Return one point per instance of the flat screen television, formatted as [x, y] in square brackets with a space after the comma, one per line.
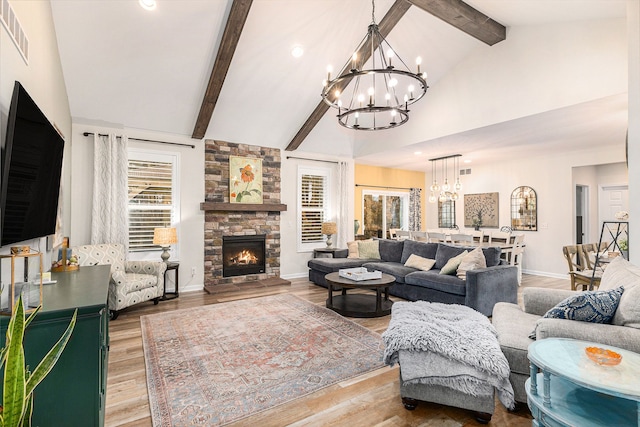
[31, 169]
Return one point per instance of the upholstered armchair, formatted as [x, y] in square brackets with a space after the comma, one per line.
[132, 282]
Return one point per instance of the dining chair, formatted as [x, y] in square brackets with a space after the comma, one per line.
[478, 235]
[513, 255]
[420, 236]
[499, 237]
[436, 237]
[580, 276]
[393, 233]
[461, 238]
[403, 234]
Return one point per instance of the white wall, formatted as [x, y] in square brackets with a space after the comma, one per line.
[43, 80]
[190, 248]
[536, 69]
[633, 26]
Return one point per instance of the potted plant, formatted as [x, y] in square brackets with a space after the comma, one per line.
[19, 381]
[624, 247]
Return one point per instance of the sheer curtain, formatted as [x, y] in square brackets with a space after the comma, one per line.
[415, 209]
[343, 204]
[109, 213]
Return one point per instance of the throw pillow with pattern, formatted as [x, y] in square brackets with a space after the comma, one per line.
[590, 306]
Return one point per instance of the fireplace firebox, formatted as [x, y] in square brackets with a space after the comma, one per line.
[243, 255]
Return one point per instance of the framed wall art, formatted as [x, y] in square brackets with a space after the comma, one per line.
[481, 210]
[245, 180]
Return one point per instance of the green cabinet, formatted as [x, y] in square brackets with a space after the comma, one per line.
[74, 392]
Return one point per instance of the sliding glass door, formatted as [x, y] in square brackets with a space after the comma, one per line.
[382, 211]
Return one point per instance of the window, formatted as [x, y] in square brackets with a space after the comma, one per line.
[383, 211]
[153, 200]
[313, 200]
[446, 214]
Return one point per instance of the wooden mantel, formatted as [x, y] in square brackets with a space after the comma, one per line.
[243, 207]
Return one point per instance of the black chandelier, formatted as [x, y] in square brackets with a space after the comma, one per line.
[380, 96]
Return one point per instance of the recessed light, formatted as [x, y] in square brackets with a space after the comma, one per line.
[417, 153]
[297, 51]
[147, 4]
[466, 161]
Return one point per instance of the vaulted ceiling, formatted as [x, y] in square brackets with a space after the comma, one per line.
[151, 70]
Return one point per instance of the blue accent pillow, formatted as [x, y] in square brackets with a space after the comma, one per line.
[590, 306]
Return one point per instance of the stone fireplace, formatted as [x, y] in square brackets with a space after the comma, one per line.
[224, 219]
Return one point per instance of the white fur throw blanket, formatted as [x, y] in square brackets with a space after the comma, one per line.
[450, 345]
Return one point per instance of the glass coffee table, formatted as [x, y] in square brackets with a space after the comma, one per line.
[573, 390]
[359, 305]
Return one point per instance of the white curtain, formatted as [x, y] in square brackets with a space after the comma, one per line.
[343, 205]
[415, 209]
[109, 215]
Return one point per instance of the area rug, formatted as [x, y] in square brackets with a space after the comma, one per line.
[217, 364]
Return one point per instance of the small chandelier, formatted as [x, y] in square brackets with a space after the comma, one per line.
[443, 193]
[380, 96]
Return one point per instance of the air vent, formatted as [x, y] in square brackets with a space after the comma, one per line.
[465, 171]
[11, 23]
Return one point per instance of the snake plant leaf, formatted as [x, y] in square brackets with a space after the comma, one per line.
[50, 359]
[28, 412]
[13, 399]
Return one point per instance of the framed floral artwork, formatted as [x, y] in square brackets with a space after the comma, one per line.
[245, 180]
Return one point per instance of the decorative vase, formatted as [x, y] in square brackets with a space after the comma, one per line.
[356, 226]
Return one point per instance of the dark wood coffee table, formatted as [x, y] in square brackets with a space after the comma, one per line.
[359, 305]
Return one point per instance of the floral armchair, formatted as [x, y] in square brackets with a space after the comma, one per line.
[132, 282]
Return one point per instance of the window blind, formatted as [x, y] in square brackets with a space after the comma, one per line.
[313, 204]
[150, 186]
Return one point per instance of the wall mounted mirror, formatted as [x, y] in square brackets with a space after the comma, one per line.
[524, 209]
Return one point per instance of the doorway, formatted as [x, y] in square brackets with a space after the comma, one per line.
[582, 214]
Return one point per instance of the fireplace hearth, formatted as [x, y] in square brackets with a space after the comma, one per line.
[242, 255]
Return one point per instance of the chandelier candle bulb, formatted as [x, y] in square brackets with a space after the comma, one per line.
[390, 56]
[418, 62]
[371, 92]
[354, 63]
[329, 70]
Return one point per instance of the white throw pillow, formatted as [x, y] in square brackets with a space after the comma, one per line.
[353, 250]
[621, 272]
[471, 261]
[419, 262]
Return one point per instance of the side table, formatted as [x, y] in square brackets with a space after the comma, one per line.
[175, 265]
[572, 390]
[330, 253]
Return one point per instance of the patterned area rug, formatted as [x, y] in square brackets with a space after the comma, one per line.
[216, 364]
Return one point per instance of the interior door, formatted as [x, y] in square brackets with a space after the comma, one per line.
[613, 198]
[582, 211]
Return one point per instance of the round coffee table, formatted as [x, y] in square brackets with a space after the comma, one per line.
[359, 305]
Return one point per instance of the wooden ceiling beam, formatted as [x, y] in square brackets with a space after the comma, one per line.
[465, 18]
[230, 37]
[391, 18]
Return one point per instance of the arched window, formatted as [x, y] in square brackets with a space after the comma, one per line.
[524, 209]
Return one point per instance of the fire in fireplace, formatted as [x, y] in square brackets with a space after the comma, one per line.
[243, 255]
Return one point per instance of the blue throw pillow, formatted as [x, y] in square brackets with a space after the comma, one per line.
[591, 306]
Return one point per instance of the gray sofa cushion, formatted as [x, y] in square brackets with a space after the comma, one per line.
[397, 270]
[391, 250]
[423, 249]
[329, 265]
[513, 326]
[433, 280]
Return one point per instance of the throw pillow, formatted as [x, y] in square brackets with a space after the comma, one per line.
[589, 306]
[621, 272]
[471, 261]
[353, 250]
[452, 265]
[420, 263]
[368, 249]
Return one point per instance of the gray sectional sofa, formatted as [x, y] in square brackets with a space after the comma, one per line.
[481, 289]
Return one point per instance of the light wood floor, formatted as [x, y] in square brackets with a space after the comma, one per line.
[369, 400]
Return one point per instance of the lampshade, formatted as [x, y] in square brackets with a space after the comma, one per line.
[329, 228]
[165, 236]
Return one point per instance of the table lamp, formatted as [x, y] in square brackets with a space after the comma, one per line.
[165, 237]
[329, 228]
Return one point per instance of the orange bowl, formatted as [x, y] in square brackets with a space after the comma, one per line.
[602, 356]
